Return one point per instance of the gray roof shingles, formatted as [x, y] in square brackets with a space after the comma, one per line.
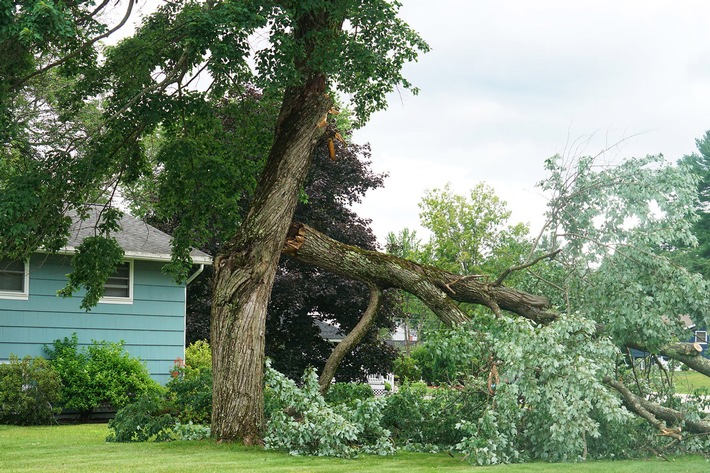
[138, 239]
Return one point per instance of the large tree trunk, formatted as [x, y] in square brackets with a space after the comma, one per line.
[245, 268]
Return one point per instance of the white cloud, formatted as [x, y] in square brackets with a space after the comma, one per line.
[509, 83]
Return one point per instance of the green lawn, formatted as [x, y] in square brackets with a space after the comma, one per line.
[687, 381]
[82, 449]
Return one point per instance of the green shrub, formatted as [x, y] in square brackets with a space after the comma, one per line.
[199, 355]
[423, 419]
[406, 369]
[450, 356]
[347, 393]
[29, 391]
[150, 417]
[176, 413]
[190, 390]
[102, 373]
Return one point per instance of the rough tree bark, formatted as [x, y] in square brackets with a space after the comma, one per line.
[245, 268]
[438, 289]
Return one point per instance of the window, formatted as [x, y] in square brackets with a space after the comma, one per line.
[119, 286]
[701, 336]
[14, 279]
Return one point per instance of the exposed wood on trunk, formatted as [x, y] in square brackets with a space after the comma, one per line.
[347, 344]
[438, 289]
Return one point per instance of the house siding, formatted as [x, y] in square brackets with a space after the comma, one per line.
[151, 327]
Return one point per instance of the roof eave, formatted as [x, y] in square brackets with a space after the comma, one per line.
[137, 255]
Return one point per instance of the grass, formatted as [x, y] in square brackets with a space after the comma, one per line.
[82, 448]
[687, 381]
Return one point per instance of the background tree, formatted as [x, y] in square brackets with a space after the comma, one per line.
[698, 258]
[470, 235]
[406, 244]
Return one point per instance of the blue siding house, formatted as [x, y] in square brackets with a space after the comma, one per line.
[141, 306]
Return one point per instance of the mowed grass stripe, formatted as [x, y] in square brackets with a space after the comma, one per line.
[82, 449]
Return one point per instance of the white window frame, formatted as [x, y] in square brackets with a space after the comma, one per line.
[19, 295]
[697, 338]
[122, 300]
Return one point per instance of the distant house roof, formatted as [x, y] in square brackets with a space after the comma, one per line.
[138, 239]
[329, 331]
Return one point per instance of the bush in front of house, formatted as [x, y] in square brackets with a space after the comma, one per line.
[198, 355]
[29, 391]
[101, 374]
[191, 391]
[181, 411]
[150, 417]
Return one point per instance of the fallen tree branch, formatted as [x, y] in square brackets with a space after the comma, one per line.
[438, 289]
[687, 353]
[347, 344]
[635, 403]
[659, 415]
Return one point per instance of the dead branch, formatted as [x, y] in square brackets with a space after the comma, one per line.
[507, 272]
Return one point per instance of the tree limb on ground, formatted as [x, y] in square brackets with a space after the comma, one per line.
[440, 290]
[657, 415]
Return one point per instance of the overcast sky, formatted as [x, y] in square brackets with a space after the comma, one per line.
[509, 83]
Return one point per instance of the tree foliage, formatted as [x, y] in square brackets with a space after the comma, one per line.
[146, 83]
[697, 259]
[469, 235]
[616, 226]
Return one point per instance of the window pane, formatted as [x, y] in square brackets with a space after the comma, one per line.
[12, 276]
[118, 284]
[701, 336]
